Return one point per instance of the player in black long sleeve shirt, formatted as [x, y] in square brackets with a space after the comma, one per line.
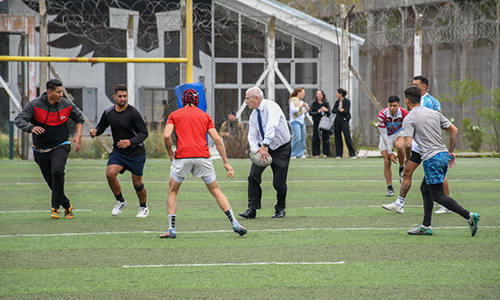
[125, 125]
[129, 132]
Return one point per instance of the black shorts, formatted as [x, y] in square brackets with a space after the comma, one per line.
[416, 158]
[133, 164]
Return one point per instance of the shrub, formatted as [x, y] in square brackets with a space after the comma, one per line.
[473, 134]
[4, 145]
[155, 147]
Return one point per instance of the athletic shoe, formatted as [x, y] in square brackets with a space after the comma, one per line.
[353, 157]
[394, 207]
[390, 193]
[239, 229]
[118, 207]
[443, 210]
[55, 213]
[68, 213]
[420, 230]
[169, 234]
[474, 218]
[338, 157]
[143, 212]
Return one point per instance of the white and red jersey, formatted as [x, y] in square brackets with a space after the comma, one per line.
[393, 123]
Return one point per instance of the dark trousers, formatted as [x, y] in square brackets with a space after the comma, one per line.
[316, 142]
[435, 192]
[52, 165]
[342, 125]
[281, 160]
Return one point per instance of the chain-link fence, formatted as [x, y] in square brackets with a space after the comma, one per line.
[460, 49]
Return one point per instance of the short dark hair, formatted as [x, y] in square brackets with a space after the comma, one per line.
[393, 99]
[53, 84]
[422, 79]
[342, 92]
[120, 87]
[413, 94]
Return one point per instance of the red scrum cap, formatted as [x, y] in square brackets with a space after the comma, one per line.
[190, 96]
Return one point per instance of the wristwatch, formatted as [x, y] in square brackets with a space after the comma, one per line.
[265, 145]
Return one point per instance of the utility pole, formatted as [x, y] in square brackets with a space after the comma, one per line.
[270, 59]
[131, 54]
[43, 45]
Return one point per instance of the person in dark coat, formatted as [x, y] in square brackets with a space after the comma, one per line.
[342, 108]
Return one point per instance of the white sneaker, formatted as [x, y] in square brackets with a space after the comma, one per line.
[118, 207]
[390, 193]
[443, 210]
[394, 207]
[143, 212]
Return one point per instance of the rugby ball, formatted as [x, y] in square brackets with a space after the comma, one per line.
[254, 157]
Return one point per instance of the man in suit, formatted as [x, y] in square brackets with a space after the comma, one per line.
[268, 136]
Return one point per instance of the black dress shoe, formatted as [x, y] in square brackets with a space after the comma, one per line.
[249, 214]
[279, 214]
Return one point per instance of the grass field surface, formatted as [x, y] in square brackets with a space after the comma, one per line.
[336, 241]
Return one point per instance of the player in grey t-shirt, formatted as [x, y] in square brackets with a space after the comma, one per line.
[424, 125]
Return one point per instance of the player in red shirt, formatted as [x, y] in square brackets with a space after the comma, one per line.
[390, 126]
[192, 155]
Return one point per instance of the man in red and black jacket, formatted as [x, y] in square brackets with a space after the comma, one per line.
[46, 118]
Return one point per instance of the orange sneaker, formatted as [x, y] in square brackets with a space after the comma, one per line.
[55, 213]
[68, 213]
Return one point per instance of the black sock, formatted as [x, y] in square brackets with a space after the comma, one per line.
[390, 187]
[119, 197]
[143, 204]
[401, 169]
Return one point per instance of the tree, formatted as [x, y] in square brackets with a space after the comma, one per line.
[463, 91]
[491, 116]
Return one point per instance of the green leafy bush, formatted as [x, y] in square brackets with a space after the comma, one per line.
[473, 134]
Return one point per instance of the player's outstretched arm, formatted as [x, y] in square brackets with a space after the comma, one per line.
[167, 139]
[78, 138]
[222, 151]
[407, 147]
[453, 142]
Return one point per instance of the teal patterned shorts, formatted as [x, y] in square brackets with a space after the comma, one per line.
[436, 167]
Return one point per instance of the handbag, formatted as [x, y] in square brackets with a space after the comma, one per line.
[326, 123]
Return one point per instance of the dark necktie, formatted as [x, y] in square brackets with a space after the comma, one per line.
[259, 119]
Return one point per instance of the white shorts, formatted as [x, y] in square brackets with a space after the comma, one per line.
[392, 139]
[199, 167]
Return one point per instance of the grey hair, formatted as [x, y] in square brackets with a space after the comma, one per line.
[255, 92]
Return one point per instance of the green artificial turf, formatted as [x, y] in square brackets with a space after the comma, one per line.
[336, 241]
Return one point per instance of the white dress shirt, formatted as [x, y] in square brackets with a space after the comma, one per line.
[274, 123]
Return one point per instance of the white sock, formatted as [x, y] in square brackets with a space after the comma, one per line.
[230, 215]
[400, 201]
[171, 221]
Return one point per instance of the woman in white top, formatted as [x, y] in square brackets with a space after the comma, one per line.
[298, 110]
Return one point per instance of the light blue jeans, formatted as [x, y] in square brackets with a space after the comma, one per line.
[299, 139]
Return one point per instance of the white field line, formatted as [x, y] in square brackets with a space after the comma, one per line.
[242, 181]
[34, 211]
[311, 207]
[222, 231]
[239, 264]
